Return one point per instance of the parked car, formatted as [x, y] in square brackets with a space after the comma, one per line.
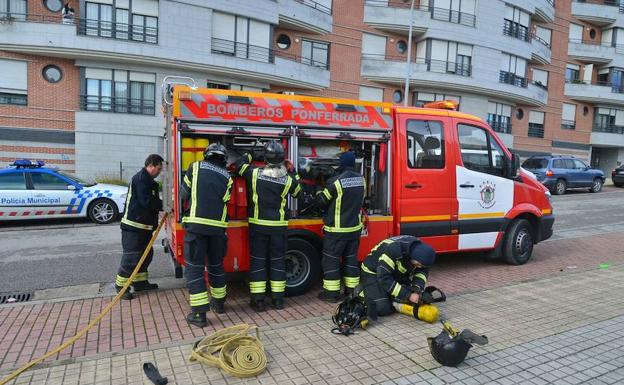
[560, 173]
[617, 175]
[28, 190]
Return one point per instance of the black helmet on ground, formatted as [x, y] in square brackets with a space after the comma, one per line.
[274, 153]
[216, 151]
[450, 347]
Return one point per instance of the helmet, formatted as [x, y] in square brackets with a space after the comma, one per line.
[274, 152]
[349, 315]
[215, 150]
[450, 348]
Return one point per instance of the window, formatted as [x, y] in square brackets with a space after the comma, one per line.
[558, 163]
[145, 28]
[15, 9]
[543, 35]
[401, 46]
[513, 70]
[219, 86]
[119, 91]
[142, 98]
[315, 53]
[425, 144]
[99, 20]
[52, 73]
[454, 11]
[12, 181]
[53, 5]
[479, 150]
[540, 78]
[535, 163]
[44, 181]
[241, 37]
[576, 33]
[568, 116]
[448, 57]
[373, 46]
[572, 73]
[609, 120]
[397, 96]
[13, 81]
[371, 93]
[499, 117]
[536, 124]
[122, 23]
[579, 165]
[420, 98]
[283, 41]
[516, 23]
[138, 24]
[569, 164]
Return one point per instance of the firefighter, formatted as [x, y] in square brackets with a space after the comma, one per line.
[268, 190]
[206, 186]
[137, 225]
[396, 269]
[344, 196]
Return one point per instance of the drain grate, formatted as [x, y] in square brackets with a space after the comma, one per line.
[13, 298]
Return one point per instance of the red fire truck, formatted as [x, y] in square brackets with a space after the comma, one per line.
[435, 173]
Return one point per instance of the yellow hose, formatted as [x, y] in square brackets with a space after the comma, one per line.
[233, 350]
[97, 319]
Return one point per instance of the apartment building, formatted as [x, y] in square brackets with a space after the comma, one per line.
[83, 92]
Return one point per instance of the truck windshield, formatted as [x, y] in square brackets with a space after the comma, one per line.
[535, 163]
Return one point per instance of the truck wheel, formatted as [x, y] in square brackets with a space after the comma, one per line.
[303, 266]
[560, 187]
[102, 211]
[518, 243]
[596, 186]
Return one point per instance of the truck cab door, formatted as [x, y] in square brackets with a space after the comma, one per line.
[425, 181]
[484, 195]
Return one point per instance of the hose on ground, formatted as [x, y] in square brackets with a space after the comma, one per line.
[233, 350]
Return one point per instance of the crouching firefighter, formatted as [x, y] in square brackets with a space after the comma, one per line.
[139, 220]
[206, 186]
[395, 273]
[268, 189]
[344, 197]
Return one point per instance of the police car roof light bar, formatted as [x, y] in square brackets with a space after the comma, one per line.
[27, 163]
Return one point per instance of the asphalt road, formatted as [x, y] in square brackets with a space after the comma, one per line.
[50, 254]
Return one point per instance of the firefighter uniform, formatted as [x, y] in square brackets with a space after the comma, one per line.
[344, 196]
[268, 222]
[387, 273]
[137, 224]
[207, 186]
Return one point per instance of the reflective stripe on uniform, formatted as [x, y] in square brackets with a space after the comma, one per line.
[284, 193]
[266, 222]
[187, 181]
[338, 204]
[331, 284]
[204, 221]
[193, 211]
[387, 260]
[342, 229]
[127, 221]
[367, 270]
[120, 281]
[401, 268]
[257, 287]
[421, 276]
[228, 191]
[278, 286]
[218, 292]
[254, 192]
[199, 299]
[396, 290]
[298, 188]
[351, 282]
[243, 168]
[140, 277]
[327, 194]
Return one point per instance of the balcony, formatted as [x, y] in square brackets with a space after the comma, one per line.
[536, 130]
[393, 16]
[305, 16]
[513, 79]
[597, 92]
[117, 105]
[607, 135]
[500, 127]
[568, 124]
[541, 52]
[601, 13]
[591, 52]
[450, 77]
[106, 29]
[541, 10]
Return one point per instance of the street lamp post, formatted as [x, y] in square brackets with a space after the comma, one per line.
[409, 55]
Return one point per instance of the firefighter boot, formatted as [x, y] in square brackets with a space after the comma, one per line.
[197, 319]
[144, 286]
[257, 305]
[329, 296]
[127, 295]
[278, 303]
[217, 305]
[348, 293]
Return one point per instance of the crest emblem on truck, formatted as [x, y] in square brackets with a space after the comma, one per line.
[488, 197]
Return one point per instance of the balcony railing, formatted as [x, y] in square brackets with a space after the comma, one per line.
[502, 127]
[117, 104]
[317, 6]
[568, 124]
[438, 66]
[442, 14]
[612, 3]
[609, 128]
[122, 31]
[615, 88]
[536, 130]
[510, 29]
[513, 79]
[260, 54]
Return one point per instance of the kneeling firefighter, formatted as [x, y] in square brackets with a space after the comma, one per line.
[207, 186]
[268, 188]
[394, 274]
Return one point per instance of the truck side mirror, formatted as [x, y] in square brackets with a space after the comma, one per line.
[513, 166]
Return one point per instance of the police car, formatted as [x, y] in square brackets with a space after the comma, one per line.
[28, 190]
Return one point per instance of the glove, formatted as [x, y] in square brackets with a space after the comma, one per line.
[426, 298]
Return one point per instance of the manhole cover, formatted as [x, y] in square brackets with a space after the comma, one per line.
[13, 298]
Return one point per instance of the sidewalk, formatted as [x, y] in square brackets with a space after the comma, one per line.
[560, 330]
